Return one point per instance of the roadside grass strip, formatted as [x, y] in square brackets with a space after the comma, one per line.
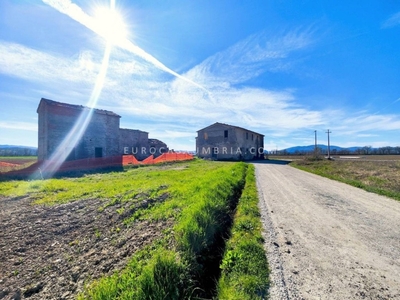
[182, 264]
[245, 270]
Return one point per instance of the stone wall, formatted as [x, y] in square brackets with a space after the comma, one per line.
[42, 132]
[226, 142]
[100, 139]
[157, 147]
[132, 141]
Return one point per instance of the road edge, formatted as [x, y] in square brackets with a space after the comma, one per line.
[278, 288]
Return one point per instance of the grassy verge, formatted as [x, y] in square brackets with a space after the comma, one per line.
[380, 177]
[199, 197]
[244, 266]
[179, 266]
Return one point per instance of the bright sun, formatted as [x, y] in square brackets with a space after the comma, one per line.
[110, 25]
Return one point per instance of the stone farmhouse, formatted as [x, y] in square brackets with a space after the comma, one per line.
[102, 138]
[221, 141]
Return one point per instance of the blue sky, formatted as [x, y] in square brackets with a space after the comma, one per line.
[281, 68]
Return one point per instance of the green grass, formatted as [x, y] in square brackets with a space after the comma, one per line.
[129, 185]
[174, 268]
[152, 273]
[245, 270]
[18, 158]
[199, 197]
[380, 177]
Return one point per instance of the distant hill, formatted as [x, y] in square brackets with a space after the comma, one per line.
[13, 150]
[324, 148]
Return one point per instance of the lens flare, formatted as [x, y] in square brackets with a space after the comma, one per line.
[50, 166]
[109, 24]
[75, 12]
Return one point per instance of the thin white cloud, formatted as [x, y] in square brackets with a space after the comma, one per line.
[251, 57]
[26, 126]
[392, 21]
[372, 123]
[173, 134]
[71, 77]
[34, 65]
[277, 144]
[362, 128]
[366, 135]
[250, 107]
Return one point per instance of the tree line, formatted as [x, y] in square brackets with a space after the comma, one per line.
[366, 150]
[18, 151]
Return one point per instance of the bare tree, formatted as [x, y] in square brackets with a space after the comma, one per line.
[367, 150]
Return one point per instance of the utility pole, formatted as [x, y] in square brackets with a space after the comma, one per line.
[329, 152]
[315, 148]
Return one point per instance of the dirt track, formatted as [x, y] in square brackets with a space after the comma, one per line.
[328, 240]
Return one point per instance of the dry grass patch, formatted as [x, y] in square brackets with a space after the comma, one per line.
[13, 163]
[382, 177]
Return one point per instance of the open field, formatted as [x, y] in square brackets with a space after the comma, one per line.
[12, 163]
[150, 232]
[378, 176]
[340, 157]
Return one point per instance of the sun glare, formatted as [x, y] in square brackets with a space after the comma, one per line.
[111, 25]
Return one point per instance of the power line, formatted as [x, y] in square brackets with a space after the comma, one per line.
[315, 147]
[329, 146]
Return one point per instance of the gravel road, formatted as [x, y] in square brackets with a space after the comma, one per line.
[326, 239]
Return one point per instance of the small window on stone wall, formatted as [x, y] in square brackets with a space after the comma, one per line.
[226, 133]
[98, 152]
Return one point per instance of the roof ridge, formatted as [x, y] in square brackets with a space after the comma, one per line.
[76, 106]
[219, 123]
